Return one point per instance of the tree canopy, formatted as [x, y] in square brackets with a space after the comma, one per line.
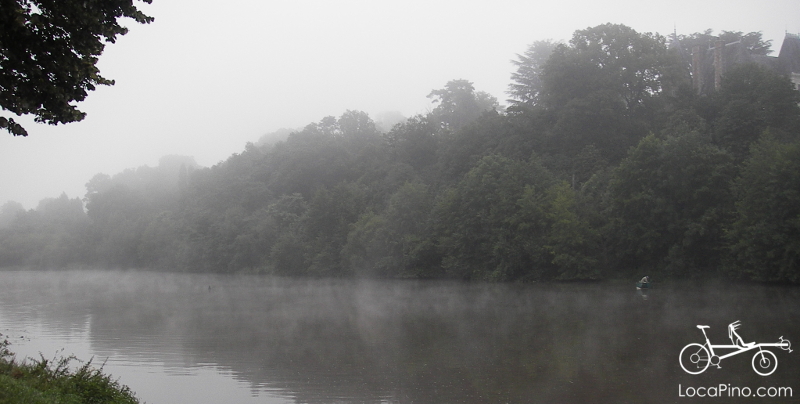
[526, 85]
[49, 52]
[459, 104]
[607, 167]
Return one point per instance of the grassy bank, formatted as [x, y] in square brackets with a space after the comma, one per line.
[58, 381]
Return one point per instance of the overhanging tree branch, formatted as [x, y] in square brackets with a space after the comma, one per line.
[48, 55]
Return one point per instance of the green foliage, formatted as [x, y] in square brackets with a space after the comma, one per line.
[669, 200]
[46, 381]
[526, 85]
[751, 100]
[571, 241]
[765, 236]
[322, 154]
[753, 41]
[608, 57]
[483, 229]
[463, 149]
[607, 163]
[48, 55]
[288, 253]
[596, 120]
[459, 104]
[394, 243]
[9, 212]
[603, 88]
[327, 225]
[415, 142]
[52, 235]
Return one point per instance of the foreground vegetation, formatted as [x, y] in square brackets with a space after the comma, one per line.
[608, 163]
[48, 382]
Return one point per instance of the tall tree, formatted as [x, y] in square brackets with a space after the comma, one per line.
[9, 212]
[526, 85]
[618, 58]
[460, 104]
[602, 88]
[48, 55]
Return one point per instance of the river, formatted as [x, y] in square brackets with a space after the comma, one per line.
[236, 339]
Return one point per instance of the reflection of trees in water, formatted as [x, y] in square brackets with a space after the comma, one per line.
[416, 341]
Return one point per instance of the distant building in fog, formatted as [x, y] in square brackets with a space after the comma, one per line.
[788, 60]
[708, 65]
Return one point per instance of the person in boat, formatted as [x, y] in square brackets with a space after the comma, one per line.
[736, 339]
[645, 280]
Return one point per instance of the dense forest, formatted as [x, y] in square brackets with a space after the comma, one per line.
[607, 163]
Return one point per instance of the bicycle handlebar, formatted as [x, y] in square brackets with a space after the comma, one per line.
[785, 344]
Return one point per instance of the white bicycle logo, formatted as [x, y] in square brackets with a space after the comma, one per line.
[695, 358]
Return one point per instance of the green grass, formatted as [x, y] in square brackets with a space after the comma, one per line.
[56, 382]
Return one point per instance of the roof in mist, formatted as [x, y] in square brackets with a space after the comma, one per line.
[207, 77]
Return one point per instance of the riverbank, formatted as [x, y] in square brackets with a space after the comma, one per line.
[57, 381]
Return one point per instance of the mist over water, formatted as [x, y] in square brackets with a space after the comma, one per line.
[237, 339]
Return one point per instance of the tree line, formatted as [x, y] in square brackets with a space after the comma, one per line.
[606, 164]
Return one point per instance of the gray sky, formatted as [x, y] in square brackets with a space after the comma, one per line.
[208, 76]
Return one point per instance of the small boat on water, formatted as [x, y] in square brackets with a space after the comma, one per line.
[644, 283]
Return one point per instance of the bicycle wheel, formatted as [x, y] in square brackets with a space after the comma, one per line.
[694, 359]
[765, 362]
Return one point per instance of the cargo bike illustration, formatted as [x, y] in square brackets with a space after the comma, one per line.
[696, 358]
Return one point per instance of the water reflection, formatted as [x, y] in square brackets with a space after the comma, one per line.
[322, 341]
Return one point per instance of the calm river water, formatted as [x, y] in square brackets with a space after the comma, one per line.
[188, 338]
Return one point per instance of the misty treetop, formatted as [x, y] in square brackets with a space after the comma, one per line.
[49, 52]
[607, 164]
